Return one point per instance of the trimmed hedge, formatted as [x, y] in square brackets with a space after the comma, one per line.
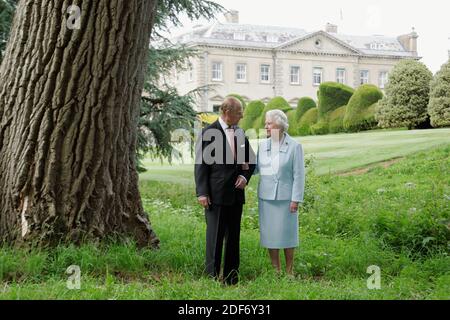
[304, 104]
[276, 103]
[305, 123]
[368, 120]
[320, 128]
[252, 112]
[332, 95]
[336, 120]
[259, 123]
[292, 119]
[439, 106]
[364, 97]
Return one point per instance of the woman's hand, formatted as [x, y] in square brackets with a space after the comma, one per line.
[294, 207]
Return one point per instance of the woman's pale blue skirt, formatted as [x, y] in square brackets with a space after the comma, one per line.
[278, 227]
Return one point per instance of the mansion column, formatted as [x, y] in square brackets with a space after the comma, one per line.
[278, 75]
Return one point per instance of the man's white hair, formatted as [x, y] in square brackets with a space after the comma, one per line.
[279, 118]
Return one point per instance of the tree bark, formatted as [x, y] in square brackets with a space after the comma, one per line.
[69, 108]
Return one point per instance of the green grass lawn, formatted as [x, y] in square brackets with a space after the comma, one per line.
[396, 218]
[333, 153]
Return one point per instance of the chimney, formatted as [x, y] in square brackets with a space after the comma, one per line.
[232, 16]
[409, 41]
[331, 28]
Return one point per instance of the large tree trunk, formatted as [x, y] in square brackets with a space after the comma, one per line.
[69, 107]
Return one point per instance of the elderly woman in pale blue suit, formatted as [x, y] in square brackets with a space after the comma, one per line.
[280, 163]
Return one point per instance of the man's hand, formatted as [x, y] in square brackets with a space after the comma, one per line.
[241, 183]
[294, 207]
[204, 201]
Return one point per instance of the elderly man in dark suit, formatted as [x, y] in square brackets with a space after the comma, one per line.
[224, 165]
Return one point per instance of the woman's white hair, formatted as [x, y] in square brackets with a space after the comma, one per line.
[279, 118]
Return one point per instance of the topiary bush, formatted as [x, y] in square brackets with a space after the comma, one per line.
[320, 128]
[304, 104]
[439, 105]
[258, 123]
[305, 123]
[336, 120]
[253, 110]
[332, 95]
[367, 120]
[407, 96]
[292, 119]
[276, 103]
[356, 116]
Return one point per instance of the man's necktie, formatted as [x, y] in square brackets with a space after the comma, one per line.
[230, 137]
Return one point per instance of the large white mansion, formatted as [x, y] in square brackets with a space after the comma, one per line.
[260, 62]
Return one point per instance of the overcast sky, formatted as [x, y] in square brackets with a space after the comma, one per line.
[430, 18]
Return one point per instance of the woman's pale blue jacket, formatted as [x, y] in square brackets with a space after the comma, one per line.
[282, 179]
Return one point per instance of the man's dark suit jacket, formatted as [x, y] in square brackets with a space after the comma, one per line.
[217, 180]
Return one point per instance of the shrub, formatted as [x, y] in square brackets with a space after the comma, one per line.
[356, 115]
[320, 128]
[367, 120]
[439, 106]
[207, 118]
[251, 113]
[292, 119]
[332, 95]
[304, 104]
[407, 96]
[305, 123]
[239, 97]
[276, 103]
[258, 123]
[336, 120]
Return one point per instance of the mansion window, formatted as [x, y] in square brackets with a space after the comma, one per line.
[383, 79]
[364, 76]
[317, 76]
[216, 108]
[340, 75]
[217, 74]
[295, 75]
[241, 72]
[265, 73]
